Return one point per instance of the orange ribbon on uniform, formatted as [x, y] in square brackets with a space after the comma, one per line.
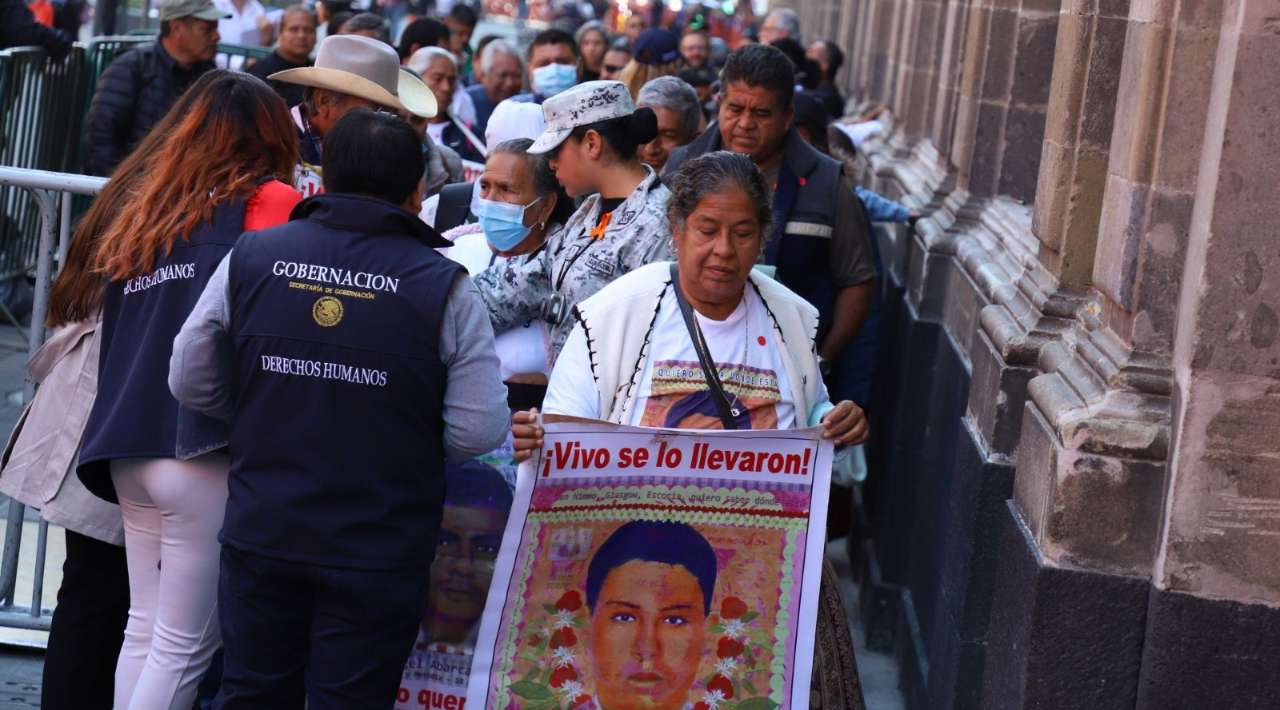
[597, 232]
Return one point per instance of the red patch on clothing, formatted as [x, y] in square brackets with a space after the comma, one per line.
[761, 340]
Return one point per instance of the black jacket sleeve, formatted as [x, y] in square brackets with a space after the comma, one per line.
[18, 28]
[110, 120]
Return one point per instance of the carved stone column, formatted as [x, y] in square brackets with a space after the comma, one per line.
[1213, 622]
[942, 121]
[922, 54]
[1096, 434]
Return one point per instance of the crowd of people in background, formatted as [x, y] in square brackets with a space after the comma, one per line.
[391, 243]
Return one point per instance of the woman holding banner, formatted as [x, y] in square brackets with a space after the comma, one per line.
[707, 342]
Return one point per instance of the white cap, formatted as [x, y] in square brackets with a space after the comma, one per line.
[514, 119]
[582, 105]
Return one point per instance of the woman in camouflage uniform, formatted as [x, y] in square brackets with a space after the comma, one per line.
[592, 134]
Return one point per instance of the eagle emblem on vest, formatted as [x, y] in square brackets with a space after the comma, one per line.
[327, 311]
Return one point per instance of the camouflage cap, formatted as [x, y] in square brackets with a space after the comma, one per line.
[583, 105]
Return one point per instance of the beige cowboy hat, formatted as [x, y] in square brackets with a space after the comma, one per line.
[363, 67]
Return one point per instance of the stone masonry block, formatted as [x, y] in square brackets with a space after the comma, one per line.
[1202, 653]
[1036, 40]
[1162, 254]
[997, 395]
[1107, 57]
[1020, 161]
[1053, 192]
[984, 171]
[1060, 638]
[1123, 218]
[1033, 485]
[999, 55]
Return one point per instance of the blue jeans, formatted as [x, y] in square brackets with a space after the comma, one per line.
[296, 633]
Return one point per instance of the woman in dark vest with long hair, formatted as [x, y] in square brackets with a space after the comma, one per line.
[217, 166]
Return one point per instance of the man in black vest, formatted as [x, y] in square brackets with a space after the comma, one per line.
[819, 242]
[351, 360]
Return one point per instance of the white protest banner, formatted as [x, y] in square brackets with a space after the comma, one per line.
[471, 170]
[477, 500]
[658, 569]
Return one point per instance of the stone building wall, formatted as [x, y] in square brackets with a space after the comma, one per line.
[1076, 492]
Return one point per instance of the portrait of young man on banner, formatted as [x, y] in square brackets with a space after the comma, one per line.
[477, 502]
[657, 571]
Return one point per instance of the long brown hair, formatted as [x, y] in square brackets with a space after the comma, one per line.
[228, 132]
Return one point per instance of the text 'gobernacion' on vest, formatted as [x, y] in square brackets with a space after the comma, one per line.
[336, 276]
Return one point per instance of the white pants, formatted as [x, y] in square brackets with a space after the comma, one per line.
[172, 513]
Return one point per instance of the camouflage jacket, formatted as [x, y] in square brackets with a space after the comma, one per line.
[575, 264]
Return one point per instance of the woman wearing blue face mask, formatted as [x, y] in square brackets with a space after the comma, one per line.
[591, 136]
[518, 203]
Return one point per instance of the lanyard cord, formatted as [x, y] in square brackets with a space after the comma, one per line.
[564, 270]
[595, 235]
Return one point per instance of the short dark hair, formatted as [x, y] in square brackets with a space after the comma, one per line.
[484, 41]
[553, 36]
[423, 32]
[808, 73]
[697, 76]
[665, 542]
[372, 153]
[367, 22]
[835, 58]
[336, 21]
[764, 67]
[336, 6]
[474, 484]
[619, 44]
[464, 14]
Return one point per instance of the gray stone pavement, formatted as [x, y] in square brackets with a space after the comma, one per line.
[21, 659]
[20, 678]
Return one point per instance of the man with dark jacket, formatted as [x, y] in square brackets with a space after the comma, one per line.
[138, 88]
[352, 360]
[293, 50]
[819, 243]
[18, 28]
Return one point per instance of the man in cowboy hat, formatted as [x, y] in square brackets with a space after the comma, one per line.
[350, 72]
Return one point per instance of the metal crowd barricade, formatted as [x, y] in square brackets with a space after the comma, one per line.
[42, 111]
[52, 194]
[246, 52]
[40, 124]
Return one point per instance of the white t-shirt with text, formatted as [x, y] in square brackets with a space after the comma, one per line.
[672, 390]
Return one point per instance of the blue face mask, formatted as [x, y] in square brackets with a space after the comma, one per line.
[502, 222]
[554, 78]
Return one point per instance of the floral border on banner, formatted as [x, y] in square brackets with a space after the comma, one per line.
[563, 679]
